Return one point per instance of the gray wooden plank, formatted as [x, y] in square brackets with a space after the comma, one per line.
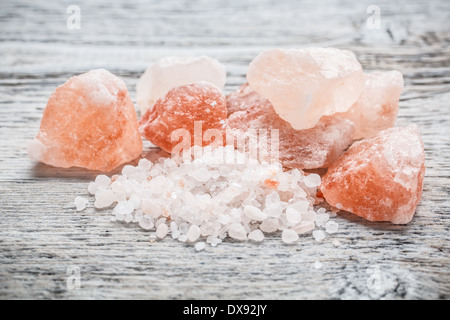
[42, 235]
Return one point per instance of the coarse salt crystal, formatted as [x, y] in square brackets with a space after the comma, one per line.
[193, 233]
[318, 265]
[331, 227]
[161, 230]
[237, 232]
[319, 235]
[256, 235]
[312, 180]
[293, 216]
[199, 246]
[289, 236]
[80, 203]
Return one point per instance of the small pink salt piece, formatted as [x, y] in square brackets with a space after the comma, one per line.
[379, 178]
[313, 148]
[304, 85]
[89, 122]
[170, 72]
[377, 107]
[196, 112]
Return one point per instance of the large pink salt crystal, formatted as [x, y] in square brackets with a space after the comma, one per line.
[89, 122]
[197, 110]
[317, 147]
[304, 85]
[377, 107]
[379, 178]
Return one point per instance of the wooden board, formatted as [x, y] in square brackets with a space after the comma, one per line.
[42, 237]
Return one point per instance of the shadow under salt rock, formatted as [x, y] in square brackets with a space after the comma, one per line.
[374, 225]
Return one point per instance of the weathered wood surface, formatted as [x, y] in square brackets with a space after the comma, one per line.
[41, 235]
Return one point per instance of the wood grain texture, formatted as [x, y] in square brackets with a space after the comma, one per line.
[41, 234]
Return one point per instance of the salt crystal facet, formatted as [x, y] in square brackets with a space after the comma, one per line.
[89, 122]
[377, 107]
[177, 114]
[317, 147]
[289, 236]
[379, 178]
[80, 203]
[304, 85]
[171, 72]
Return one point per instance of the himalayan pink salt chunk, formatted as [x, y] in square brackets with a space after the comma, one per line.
[304, 85]
[88, 122]
[198, 108]
[317, 147]
[379, 178]
[171, 72]
[377, 107]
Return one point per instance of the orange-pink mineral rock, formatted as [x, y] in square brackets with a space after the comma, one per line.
[304, 85]
[191, 114]
[89, 122]
[377, 107]
[317, 147]
[379, 178]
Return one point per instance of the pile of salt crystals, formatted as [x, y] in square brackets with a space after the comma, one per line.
[209, 194]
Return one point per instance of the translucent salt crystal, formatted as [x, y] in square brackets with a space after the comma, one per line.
[102, 181]
[162, 230]
[151, 207]
[104, 198]
[135, 201]
[336, 243]
[301, 206]
[254, 213]
[127, 217]
[224, 219]
[312, 180]
[124, 207]
[304, 227]
[321, 219]
[199, 246]
[331, 227]
[293, 216]
[145, 164]
[256, 235]
[309, 215]
[193, 233]
[237, 231]
[92, 188]
[327, 80]
[213, 241]
[80, 203]
[182, 238]
[201, 174]
[319, 235]
[269, 225]
[184, 227]
[318, 265]
[386, 173]
[146, 222]
[89, 122]
[171, 72]
[161, 220]
[289, 236]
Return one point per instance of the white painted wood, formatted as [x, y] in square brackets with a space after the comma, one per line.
[41, 234]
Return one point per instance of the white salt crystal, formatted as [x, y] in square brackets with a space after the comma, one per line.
[312, 180]
[128, 170]
[304, 227]
[145, 164]
[146, 222]
[92, 188]
[161, 230]
[124, 207]
[102, 181]
[237, 231]
[331, 227]
[269, 225]
[319, 235]
[254, 213]
[80, 203]
[256, 235]
[182, 238]
[193, 233]
[104, 198]
[199, 246]
[301, 206]
[135, 201]
[336, 243]
[322, 219]
[289, 236]
[293, 216]
[201, 174]
[127, 217]
[318, 265]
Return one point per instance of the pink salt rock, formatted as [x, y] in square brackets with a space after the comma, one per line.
[304, 85]
[317, 147]
[88, 122]
[170, 72]
[377, 107]
[379, 178]
[197, 109]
